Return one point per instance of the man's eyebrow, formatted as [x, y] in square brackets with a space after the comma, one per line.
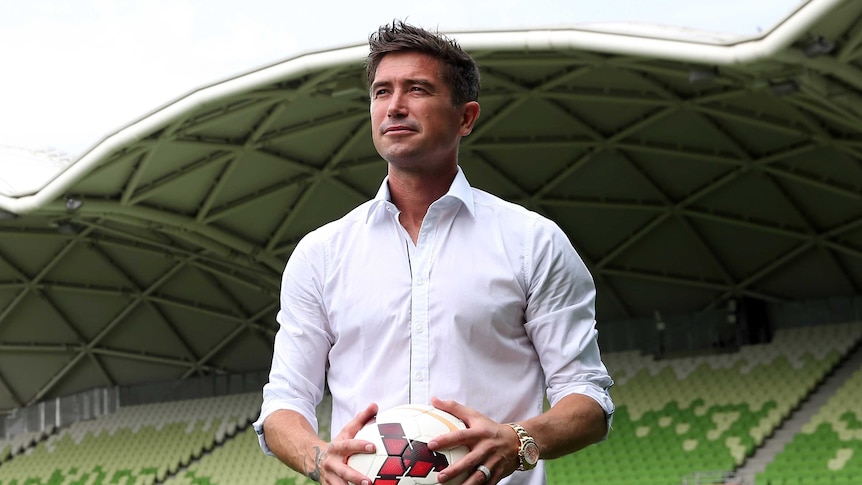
[409, 81]
[420, 81]
[377, 84]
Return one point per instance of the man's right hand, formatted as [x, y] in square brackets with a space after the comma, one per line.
[332, 468]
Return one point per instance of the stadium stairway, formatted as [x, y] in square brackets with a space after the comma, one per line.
[22, 442]
[775, 444]
[240, 461]
[237, 461]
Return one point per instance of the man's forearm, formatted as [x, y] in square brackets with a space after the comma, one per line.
[574, 423]
[293, 441]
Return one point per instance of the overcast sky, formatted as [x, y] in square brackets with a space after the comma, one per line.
[75, 71]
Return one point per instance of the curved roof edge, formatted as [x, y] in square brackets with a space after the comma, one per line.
[637, 42]
[744, 51]
[42, 166]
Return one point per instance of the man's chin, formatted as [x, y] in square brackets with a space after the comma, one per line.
[399, 154]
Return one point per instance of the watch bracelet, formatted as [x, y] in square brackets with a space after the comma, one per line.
[523, 438]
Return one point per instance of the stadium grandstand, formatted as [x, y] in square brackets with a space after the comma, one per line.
[712, 183]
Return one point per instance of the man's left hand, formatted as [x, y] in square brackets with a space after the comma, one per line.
[492, 445]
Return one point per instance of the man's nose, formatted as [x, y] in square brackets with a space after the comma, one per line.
[397, 104]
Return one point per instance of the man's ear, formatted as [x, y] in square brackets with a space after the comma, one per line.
[469, 115]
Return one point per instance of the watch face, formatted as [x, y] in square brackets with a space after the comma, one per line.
[531, 454]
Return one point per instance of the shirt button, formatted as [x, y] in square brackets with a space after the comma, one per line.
[420, 328]
[419, 376]
[420, 281]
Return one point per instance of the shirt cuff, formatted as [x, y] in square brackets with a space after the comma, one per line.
[258, 428]
[269, 408]
[601, 396]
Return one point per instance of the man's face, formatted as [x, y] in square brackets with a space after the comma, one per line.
[414, 124]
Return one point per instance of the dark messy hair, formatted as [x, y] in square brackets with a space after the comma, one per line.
[459, 69]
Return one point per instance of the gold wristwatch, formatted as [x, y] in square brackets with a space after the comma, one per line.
[528, 450]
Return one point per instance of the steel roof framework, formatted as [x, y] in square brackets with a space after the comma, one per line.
[157, 255]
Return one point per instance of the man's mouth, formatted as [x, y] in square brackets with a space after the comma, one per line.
[397, 129]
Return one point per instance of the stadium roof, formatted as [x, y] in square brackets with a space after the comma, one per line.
[686, 167]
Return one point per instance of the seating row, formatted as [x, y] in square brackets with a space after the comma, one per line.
[674, 417]
[679, 416]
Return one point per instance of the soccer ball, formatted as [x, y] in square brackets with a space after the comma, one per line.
[401, 435]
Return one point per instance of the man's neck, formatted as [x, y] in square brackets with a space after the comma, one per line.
[414, 193]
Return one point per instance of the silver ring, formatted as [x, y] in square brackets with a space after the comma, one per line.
[485, 471]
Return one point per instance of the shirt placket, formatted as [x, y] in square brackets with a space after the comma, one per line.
[420, 339]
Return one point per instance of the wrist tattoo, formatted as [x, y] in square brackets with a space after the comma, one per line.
[314, 474]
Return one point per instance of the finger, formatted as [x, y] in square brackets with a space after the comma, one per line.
[334, 465]
[344, 475]
[335, 461]
[483, 472]
[450, 406]
[479, 426]
[348, 474]
[355, 424]
[465, 466]
[342, 449]
[475, 477]
[460, 411]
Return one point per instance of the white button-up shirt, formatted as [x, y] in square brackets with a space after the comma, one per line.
[491, 307]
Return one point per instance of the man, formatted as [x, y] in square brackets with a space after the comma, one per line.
[437, 293]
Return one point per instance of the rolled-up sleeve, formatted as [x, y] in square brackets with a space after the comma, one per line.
[561, 319]
[302, 343]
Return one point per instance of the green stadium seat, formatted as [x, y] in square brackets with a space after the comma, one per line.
[712, 412]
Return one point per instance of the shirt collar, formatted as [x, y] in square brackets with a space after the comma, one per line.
[460, 190]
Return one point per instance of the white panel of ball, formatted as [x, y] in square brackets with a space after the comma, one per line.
[421, 423]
